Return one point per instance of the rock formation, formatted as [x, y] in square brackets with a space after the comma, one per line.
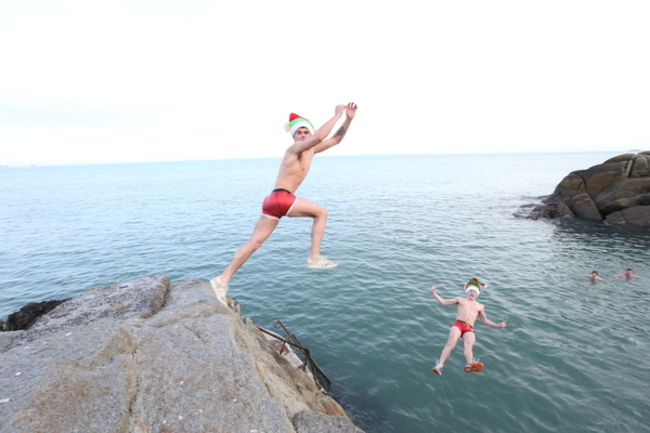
[150, 356]
[28, 315]
[616, 192]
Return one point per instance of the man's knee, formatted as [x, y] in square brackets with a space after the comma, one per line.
[255, 243]
[469, 341]
[321, 213]
[452, 342]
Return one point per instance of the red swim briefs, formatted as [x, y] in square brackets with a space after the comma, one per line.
[278, 203]
[462, 327]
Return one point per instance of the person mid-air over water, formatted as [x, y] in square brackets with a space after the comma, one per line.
[463, 327]
[281, 202]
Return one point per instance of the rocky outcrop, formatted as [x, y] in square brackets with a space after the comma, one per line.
[150, 356]
[27, 315]
[616, 192]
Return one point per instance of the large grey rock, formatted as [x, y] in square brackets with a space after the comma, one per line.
[147, 356]
[584, 207]
[616, 191]
[599, 177]
[310, 421]
[562, 209]
[627, 189]
[636, 216]
[7, 338]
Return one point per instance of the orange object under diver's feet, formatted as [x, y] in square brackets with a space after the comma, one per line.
[437, 370]
[473, 367]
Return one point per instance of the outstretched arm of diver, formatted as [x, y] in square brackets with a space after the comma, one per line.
[320, 134]
[434, 292]
[351, 111]
[488, 322]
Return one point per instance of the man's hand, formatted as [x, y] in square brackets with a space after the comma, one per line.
[433, 290]
[351, 110]
[503, 324]
[338, 111]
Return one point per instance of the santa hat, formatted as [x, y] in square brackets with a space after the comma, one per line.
[296, 122]
[475, 284]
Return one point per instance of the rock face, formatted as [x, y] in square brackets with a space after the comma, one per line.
[28, 315]
[616, 192]
[147, 356]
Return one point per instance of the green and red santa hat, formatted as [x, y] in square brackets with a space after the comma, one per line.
[296, 122]
[475, 284]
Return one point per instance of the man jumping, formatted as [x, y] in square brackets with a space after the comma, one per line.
[463, 327]
[282, 201]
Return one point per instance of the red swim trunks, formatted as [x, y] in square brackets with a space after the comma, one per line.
[462, 327]
[278, 203]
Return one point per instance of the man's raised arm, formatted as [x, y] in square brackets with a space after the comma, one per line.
[434, 292]
[351, 110]
[320, 134]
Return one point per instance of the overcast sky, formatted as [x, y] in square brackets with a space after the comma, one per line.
[88, 81]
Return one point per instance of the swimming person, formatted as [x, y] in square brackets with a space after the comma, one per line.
[282, 201]
[594, 276]
[628, 274]
[463, 327]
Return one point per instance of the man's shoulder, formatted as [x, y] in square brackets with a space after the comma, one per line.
[296, 150]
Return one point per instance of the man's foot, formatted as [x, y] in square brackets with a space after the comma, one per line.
[220, 290]
[437, 369]
[474, 367]
[320, 263]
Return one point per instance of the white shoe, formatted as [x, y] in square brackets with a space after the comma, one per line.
[320, 263]
[220, 290]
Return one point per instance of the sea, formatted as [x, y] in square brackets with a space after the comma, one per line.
[574, 356]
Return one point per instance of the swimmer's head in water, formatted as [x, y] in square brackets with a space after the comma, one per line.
[296, 122]
[475, 284]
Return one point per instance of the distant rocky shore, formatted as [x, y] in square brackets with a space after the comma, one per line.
[150, 356]
[616, 192]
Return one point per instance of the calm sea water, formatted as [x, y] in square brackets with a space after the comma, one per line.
[574, 357]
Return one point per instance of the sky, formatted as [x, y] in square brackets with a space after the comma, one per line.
[92, 82]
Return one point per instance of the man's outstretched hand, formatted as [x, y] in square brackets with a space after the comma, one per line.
[351, 110]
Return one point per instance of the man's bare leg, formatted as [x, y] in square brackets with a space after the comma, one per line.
[307, 208]
[263, 230]
[454, 335]
[468, 341]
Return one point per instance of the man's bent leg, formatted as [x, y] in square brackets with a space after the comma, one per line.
[263, 230]
[307, 208]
